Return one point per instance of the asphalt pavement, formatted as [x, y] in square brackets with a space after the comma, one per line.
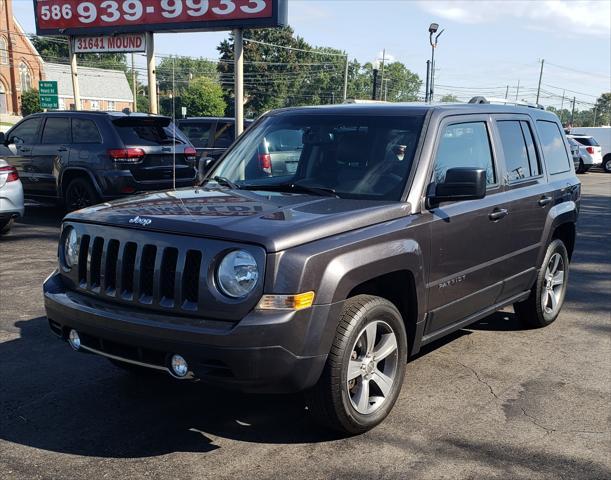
[495, 400]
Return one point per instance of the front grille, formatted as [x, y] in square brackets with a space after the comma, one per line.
[161, 276]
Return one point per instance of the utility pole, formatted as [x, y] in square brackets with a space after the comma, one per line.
[152, 73]
[346, 79]
[134, 86]
[374, 93]
[382, 67]
[562, 106]
[385, 89]
[518, 90]
[573, 112]
[506, 92]
[74, 74]
[540, 77]
[238, 39]
[595, 112]
[428, 79]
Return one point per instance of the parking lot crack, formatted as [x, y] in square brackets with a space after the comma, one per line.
[480, 379]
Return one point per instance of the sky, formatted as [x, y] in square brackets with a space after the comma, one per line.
[486, 45]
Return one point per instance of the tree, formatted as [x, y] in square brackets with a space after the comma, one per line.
[30, 102]
[204, 97]
[603, 109]
[403, 85]
[177, 73]
[55, 50]
[449, 98]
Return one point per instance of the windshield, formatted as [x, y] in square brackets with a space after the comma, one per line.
[368, 157]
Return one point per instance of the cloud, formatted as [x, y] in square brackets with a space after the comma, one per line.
[591, 17]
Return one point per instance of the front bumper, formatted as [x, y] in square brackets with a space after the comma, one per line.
[267, 351]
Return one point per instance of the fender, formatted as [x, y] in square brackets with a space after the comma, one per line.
[60, 185]
[565, 212]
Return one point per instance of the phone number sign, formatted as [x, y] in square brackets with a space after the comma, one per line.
[79, 17]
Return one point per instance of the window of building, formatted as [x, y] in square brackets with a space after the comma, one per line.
[554, 149]
[25, 77]
[465, 145]
[3, 100]
[3, 51]
[95, 105]
[111, 106]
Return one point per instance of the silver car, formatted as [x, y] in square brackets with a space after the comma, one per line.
[11, 196]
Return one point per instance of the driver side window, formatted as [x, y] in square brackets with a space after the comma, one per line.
[26, 133]
[464, 145]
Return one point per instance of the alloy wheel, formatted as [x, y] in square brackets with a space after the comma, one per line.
[554, 283]
[372, 369]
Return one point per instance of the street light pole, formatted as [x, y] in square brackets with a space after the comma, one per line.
[432, 30]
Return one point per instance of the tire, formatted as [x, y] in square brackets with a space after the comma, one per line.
[543, 305]
[581, 168]
[6, 225]
[607, 164]
[80, 194]
[334, 400]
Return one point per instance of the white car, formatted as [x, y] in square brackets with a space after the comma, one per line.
[11, 196]
[590, 147]
[602, 135]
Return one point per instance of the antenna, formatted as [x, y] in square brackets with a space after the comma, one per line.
[173, 123]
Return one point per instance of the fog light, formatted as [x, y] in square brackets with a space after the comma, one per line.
[179, 366]
[74, 340]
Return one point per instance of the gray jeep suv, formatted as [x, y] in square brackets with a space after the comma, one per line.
[397, 225]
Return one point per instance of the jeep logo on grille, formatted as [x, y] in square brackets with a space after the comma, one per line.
[140, 221]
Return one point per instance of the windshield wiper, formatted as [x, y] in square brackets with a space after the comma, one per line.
[290, 187]
[224, 182]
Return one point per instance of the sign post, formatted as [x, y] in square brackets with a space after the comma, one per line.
[152, 74]
[47, 93]
[74, 74]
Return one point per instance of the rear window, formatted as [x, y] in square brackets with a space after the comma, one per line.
[148, 132]
[554, 149]
[587, 141]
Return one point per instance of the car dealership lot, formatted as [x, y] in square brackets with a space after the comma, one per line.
[493, 400]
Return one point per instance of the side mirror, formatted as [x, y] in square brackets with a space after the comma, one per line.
[202, 167]
[2, 138]
[463, 183]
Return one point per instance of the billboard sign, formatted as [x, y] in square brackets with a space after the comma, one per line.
[81, 17]
[128, 42]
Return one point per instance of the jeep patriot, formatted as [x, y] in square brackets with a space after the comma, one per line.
[324, 248]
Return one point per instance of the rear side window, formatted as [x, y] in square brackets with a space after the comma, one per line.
[85, 131]
[553, 146]
[465, 145]
[587, 141]
[225, 135]
[198, 132]
[26, 132]
[519, 150]
[57, 130]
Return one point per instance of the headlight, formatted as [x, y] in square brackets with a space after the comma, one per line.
[70, 250]
[237, 274]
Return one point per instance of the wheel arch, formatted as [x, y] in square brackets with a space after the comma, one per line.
[561, 224]
[70, 173]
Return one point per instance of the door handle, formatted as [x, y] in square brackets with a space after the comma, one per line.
[25, 150]
[498, 214]
[545, 200]
[62, 149]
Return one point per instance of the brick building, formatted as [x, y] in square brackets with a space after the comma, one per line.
[21, 67]
[20, 64]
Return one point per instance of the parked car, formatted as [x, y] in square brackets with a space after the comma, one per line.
[584, 161]
[11, 196]
[400, 224]
[211, 136]
[83, 158]
[602, 135]
[589, 147]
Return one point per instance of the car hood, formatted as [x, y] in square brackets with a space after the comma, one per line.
[276, 221]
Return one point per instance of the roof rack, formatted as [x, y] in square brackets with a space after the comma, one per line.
[505, 101]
